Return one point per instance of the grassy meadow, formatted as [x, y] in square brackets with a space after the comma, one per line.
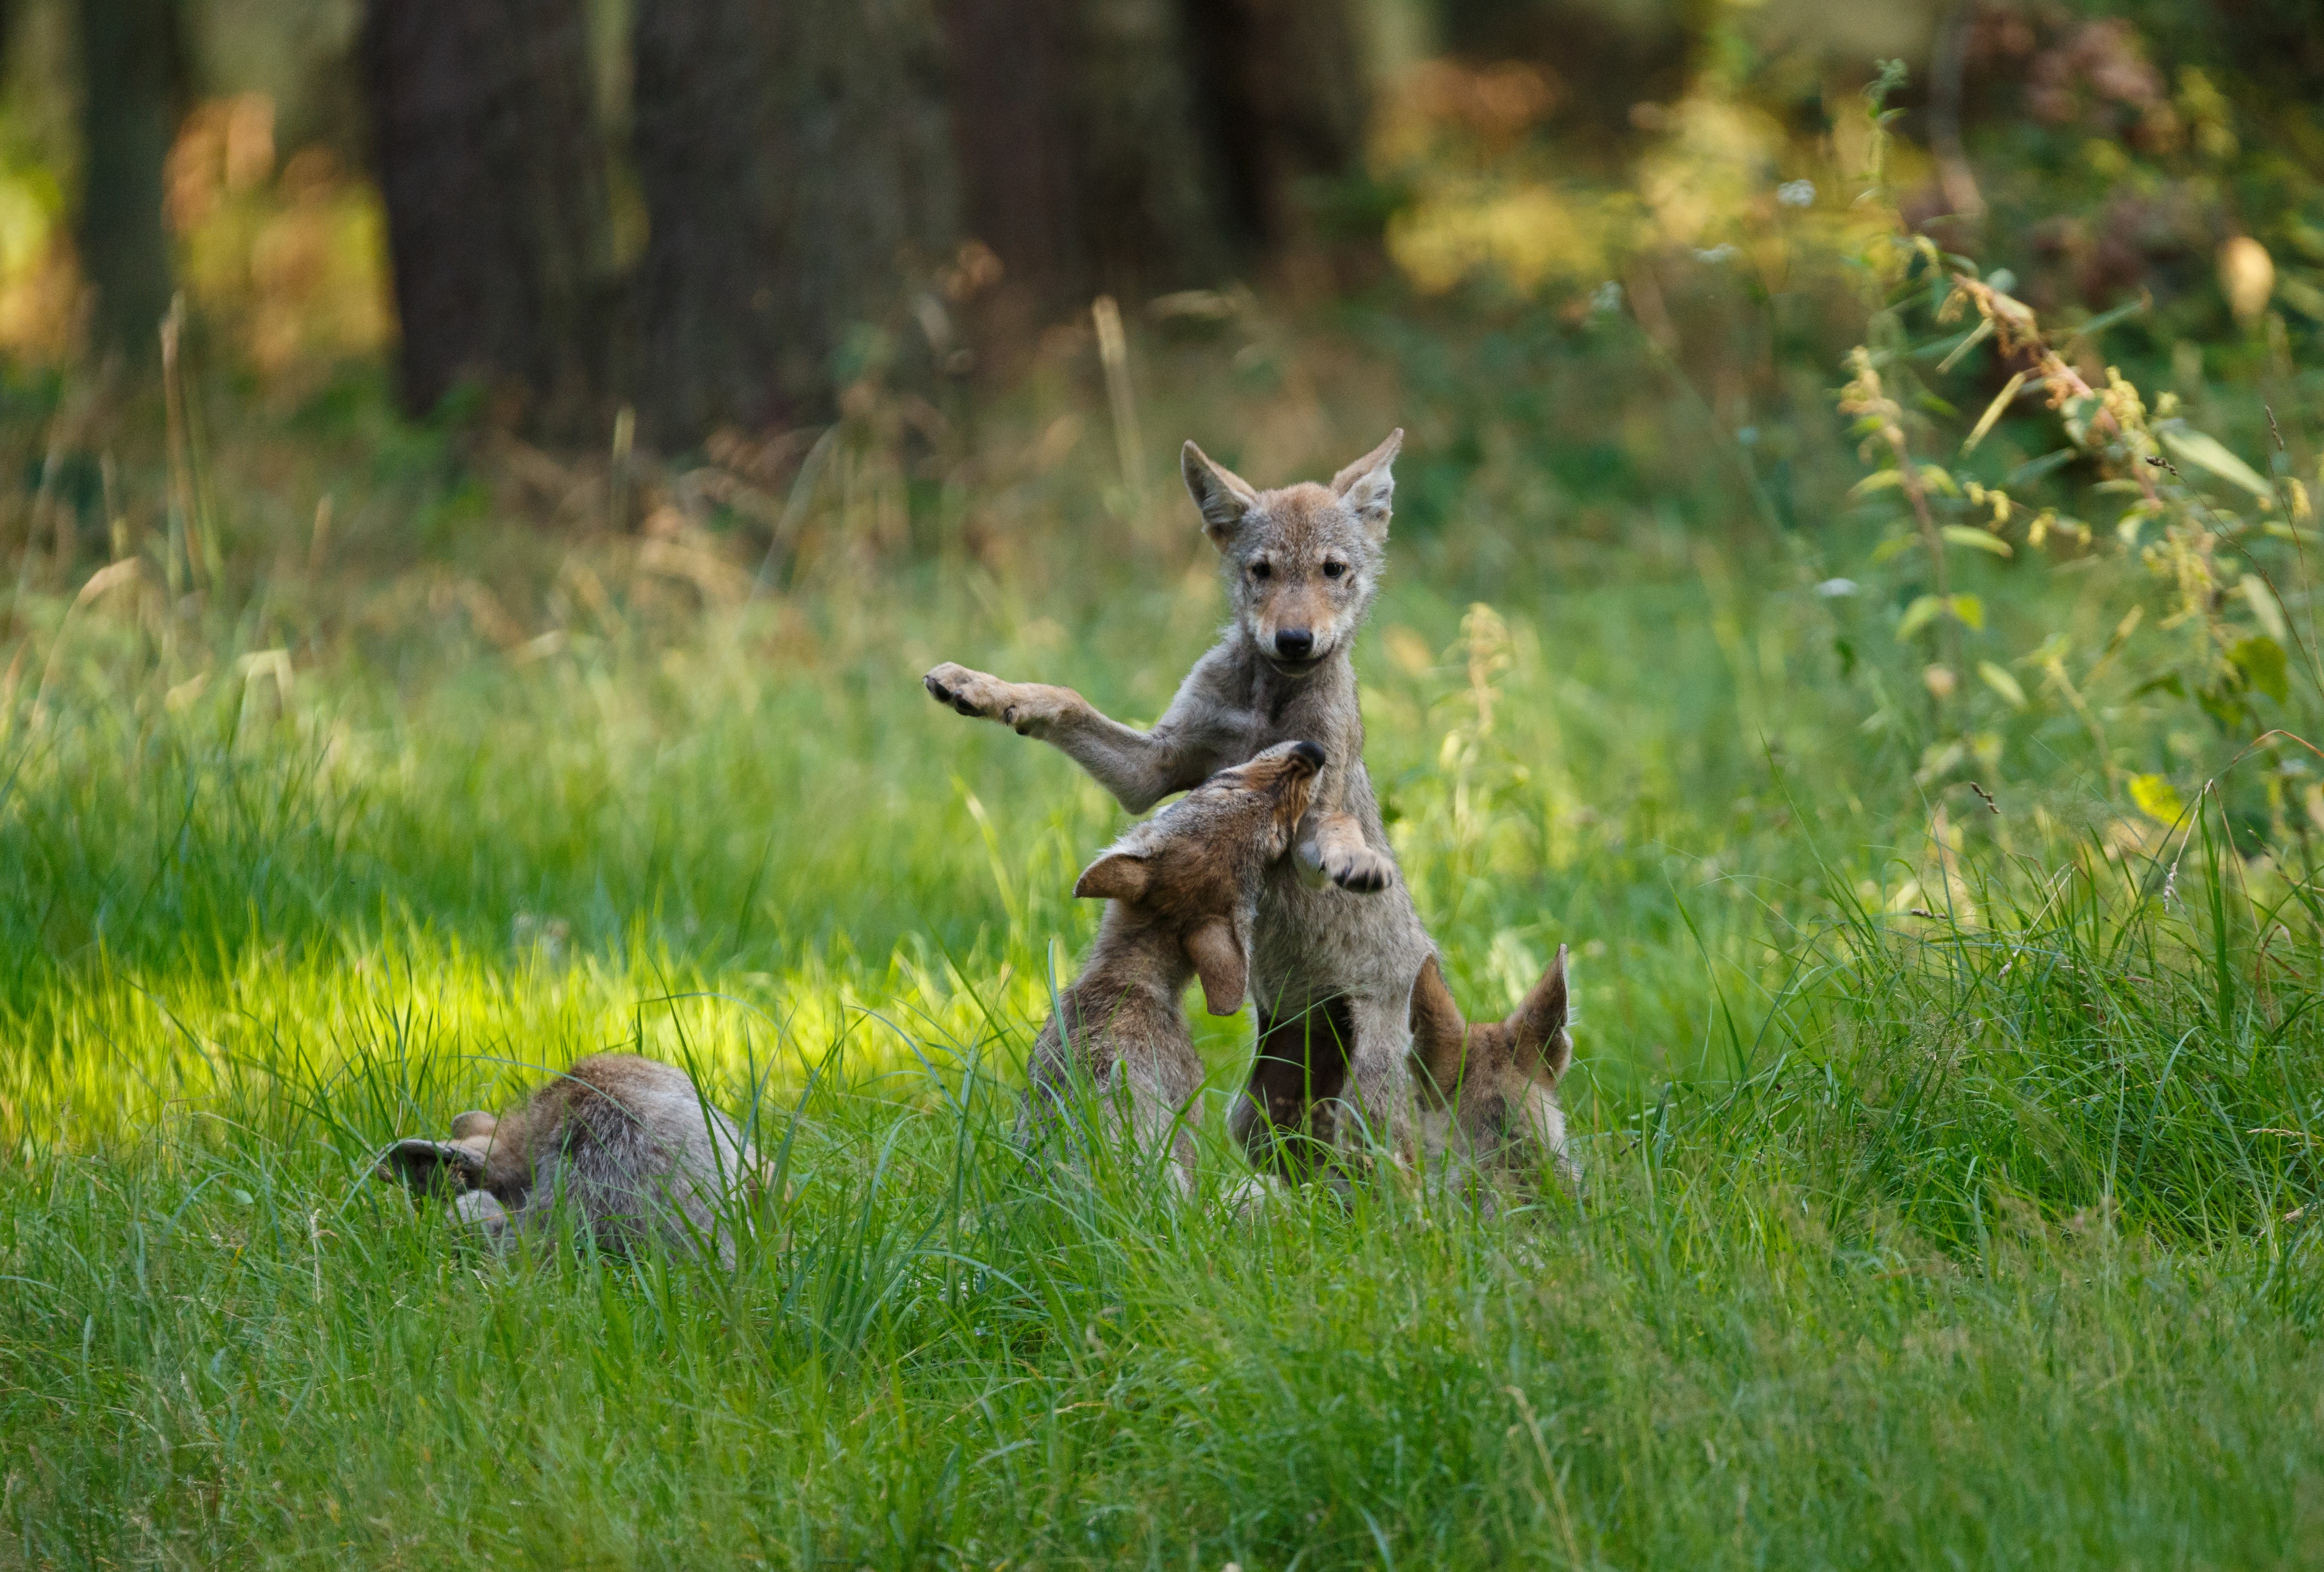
[1949, 1123]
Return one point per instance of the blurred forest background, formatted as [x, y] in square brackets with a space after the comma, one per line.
[736, 220]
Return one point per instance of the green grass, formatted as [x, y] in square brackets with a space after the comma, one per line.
[1973, 1238]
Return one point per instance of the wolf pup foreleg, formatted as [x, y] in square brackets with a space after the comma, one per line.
[1337, 943]
[1180, 890]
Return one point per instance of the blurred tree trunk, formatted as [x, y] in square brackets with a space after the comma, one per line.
[1134, 146]
[1283, 97]
[1083, 158]
[796, 161]
[498, 229]
[131, 65]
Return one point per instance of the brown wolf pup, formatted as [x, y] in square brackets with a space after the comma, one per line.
[1181, 891]
[625, 1146]
[1489, 1092]
[1337, 943]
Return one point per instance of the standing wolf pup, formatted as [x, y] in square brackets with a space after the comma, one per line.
[1338, 943]
[1181, 891]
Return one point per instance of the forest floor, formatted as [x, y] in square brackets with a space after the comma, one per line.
[1946, 1157]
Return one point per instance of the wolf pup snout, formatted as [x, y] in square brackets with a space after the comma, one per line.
[623, 1146]
[1181, 892]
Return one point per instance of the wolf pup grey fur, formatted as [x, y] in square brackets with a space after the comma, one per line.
[1489, 1092]
[625, 1146]
[1337, 941]
[1181, 892]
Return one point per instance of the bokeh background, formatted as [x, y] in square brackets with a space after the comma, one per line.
[724, 216]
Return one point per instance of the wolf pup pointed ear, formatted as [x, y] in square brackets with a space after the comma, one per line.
[1115, 876]
[1539, 1024]
[1224, 497]
[1369, 486]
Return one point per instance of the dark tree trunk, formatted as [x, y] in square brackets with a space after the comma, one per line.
[1283, 97]
[1136, 146]
[493, 172]
[130, 76]
[1082, 157]
[798, 172]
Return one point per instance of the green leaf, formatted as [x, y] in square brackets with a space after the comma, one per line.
[2157, 799]
[1880, 480]
[1999, 679]
[2264, 607]
[2106, 320]
[1968, 341]
[2261, 661]
[1968, 611]
[2205, 451]
[2033, 469]
[1977, 540]
[1993, 412]
[1919, 615]
[1894, 546]
[1936, 478]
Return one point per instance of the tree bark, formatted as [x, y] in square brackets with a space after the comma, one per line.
[131, 64]
[490, 160]
[1283, 96]
[1135, 146]
[1084, 163]
[796, 162]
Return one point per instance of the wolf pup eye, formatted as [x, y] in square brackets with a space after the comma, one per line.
[1261, 569]
[1333, 570]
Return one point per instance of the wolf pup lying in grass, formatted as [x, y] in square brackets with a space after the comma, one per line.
[1181, 892]
[1337, 943]
[1489, 1092]
[623, 1146]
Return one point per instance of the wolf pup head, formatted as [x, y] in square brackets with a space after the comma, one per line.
[1195, 868]
[1302, 563]
[1491, 1088]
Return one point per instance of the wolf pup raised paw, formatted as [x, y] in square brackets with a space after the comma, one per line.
[1337, 943]
[625, 1146]
[1181, 892]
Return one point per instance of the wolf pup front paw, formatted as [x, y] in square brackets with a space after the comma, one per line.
[1355, 868]
[982, 697]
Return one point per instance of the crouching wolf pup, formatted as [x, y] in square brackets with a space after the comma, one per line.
[1489, 1092]
[623, 1146]
[1337, 943]
[1180, 892]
